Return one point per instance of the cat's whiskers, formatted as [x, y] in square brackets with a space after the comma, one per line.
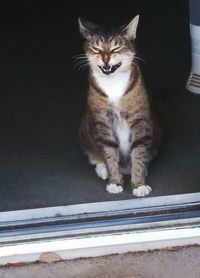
[138, 58]
[79, 55]
[80, 58]
[80, 62]
[125, 53]
[134, 64]
[83, 66]
[77, 62]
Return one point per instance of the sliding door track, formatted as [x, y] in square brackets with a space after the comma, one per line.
[139, 221]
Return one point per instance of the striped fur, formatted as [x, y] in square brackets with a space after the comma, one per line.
[117, 129]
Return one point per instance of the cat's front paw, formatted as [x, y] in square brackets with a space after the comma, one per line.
[114, 188]
[101, 171]
[142, 191]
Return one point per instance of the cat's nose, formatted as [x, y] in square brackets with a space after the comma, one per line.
[105, 58]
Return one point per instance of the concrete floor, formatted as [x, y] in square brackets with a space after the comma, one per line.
[175, 263]
[44, 165]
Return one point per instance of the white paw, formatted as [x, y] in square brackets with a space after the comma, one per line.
[114, 188]
[142, 191]
[101, 171]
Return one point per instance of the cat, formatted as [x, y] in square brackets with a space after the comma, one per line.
[117, 130]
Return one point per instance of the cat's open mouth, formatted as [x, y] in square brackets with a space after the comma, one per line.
[109, 69]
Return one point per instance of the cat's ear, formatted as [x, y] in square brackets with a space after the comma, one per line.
[86, 28]
[129, 31]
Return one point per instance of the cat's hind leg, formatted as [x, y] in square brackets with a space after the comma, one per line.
[100, 168]
[101, 171]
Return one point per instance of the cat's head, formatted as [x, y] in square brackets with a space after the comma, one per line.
[109, 51]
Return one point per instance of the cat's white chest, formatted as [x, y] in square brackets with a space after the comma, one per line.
[123, 133]
[114, 85]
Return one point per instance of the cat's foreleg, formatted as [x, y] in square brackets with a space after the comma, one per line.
[139, 159]
[142, 135]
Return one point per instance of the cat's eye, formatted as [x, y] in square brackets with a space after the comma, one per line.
[96, 50]
[116, 49]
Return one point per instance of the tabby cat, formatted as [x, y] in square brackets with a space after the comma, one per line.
[117, 130]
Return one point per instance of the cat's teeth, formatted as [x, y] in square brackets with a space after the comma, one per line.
[111, 69]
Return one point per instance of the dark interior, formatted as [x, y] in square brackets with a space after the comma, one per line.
[43, 96]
